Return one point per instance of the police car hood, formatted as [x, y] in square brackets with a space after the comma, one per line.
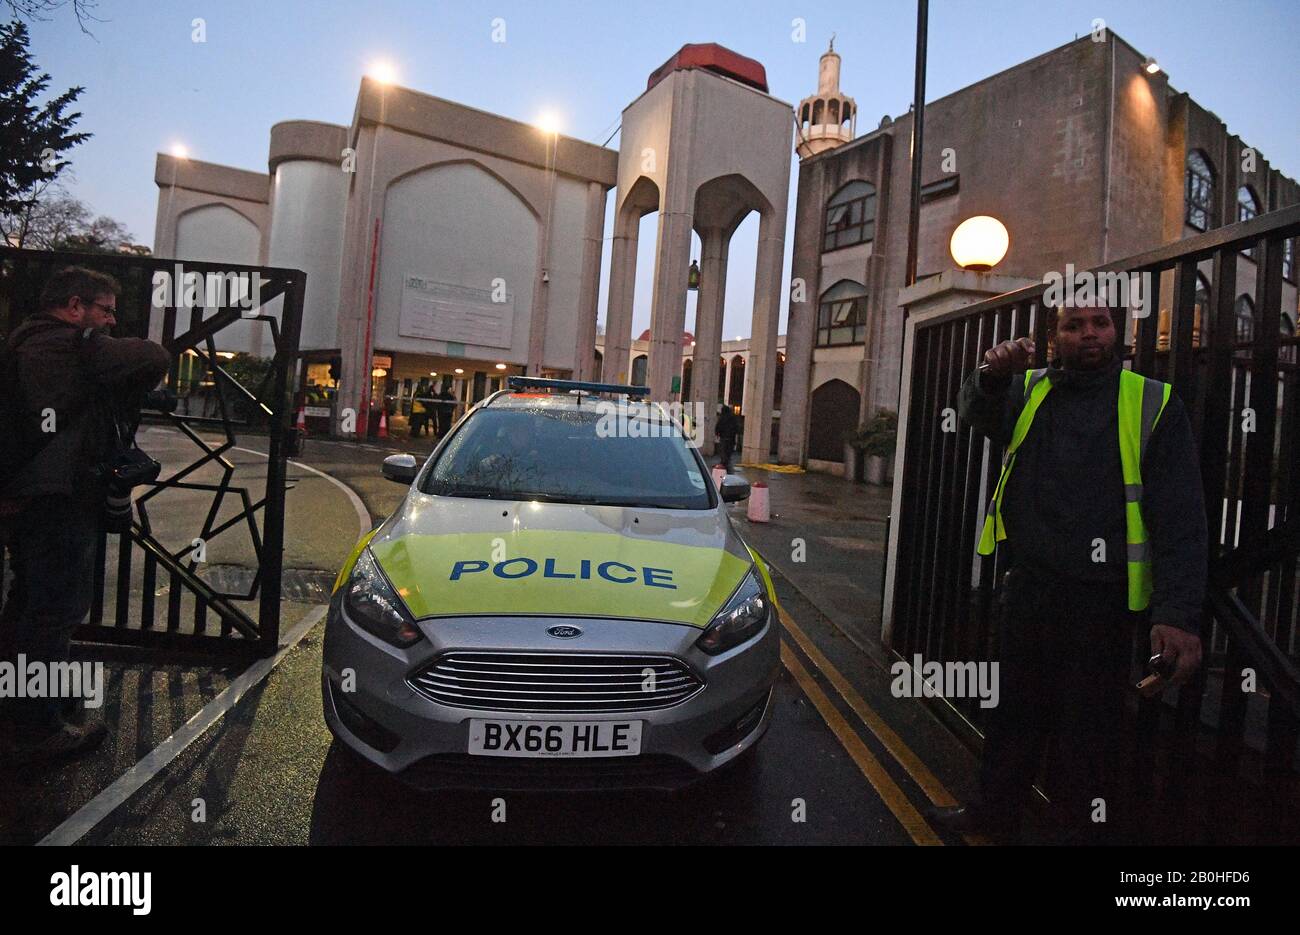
[452, 556]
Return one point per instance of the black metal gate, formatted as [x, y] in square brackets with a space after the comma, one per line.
[163, 594]
[1223, 356]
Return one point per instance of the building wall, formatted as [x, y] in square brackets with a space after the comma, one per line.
[308, 199]
[459, 225]
[1078, 152]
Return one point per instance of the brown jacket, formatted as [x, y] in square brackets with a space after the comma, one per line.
[57, 371]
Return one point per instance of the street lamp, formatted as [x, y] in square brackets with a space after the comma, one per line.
[383, 72]
[979, 243]
[1150, 66]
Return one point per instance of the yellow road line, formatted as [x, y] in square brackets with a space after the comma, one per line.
[876, 774]
[898, 749]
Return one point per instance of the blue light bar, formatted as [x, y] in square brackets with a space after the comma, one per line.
[519, 383]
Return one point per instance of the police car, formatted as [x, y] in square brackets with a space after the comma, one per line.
[560, 602]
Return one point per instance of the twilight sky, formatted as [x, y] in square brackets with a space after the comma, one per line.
[149, 86]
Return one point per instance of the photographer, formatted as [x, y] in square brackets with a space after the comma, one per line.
[61, 373]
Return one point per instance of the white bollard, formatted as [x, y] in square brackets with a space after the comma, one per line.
[719, 472]
[757, 510]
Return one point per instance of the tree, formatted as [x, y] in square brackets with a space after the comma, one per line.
[33, 9]
[59, 221]
[32, 137]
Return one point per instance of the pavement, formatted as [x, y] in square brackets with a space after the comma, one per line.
[238, 754]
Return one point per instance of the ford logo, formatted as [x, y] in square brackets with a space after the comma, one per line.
[564, 632]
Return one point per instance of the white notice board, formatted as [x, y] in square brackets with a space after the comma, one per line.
[444, 312]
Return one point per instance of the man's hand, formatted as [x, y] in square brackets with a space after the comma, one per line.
[1002, 360]
[1178, 645]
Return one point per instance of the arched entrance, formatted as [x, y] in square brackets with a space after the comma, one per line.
[834, 412]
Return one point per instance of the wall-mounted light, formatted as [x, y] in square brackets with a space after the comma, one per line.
[546, 275]
[501, 366]
[979, 243]
[379, 372]
[459, 370]
[1150, 66]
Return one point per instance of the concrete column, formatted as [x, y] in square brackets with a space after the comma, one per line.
[622, 290]
[744, 386]
[541, 287]
[708, 330]
[800, 340]
[584, 355]
[668, 307]
[360, 246]
[760, 369]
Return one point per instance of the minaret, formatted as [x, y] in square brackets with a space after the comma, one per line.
[828, 118]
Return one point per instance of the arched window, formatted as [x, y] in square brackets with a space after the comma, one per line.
[842, 314]
[1247, 208]
[1245, 319]
[1199, 191]
[851, 216]
[638, 370]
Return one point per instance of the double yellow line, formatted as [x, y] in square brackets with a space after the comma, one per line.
[866, 761]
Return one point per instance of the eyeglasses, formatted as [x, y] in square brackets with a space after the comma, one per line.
[111, 309]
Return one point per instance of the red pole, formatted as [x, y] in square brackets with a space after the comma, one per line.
[367, 363]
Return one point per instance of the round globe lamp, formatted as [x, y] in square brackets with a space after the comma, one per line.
[979, 243]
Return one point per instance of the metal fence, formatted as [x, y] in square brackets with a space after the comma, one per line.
[160, 594]
[1222, 356]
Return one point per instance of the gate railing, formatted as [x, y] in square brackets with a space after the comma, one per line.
[168, 600]
[1221, 360]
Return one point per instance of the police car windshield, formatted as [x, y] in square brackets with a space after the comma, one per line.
[594, 453]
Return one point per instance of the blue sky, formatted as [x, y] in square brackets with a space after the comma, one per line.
[148, 85]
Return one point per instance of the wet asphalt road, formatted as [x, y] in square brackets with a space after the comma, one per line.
[268, 772]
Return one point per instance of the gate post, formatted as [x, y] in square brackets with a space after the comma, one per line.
[286, 354]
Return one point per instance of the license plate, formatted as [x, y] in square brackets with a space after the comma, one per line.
[554, 738]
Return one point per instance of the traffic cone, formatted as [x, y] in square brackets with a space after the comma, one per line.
[383, 424]
[719, 472]
[757, 510]
[302, 421]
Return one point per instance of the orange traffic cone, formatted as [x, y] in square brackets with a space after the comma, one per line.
[383, 424]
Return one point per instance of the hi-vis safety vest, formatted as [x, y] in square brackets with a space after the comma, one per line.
[1141, 401]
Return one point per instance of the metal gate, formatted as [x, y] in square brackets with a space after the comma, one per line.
[1223, 356]
[153, 588]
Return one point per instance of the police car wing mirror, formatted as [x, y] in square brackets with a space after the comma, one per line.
[734, 489]
[400, 468]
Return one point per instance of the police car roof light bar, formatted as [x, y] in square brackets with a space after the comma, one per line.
[518, 383]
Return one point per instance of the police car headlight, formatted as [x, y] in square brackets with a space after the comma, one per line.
[742, 617]
[371, 603]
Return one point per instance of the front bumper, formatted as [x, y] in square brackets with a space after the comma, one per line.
[425, 743]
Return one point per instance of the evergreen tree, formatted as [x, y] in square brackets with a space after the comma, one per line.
[32, 136]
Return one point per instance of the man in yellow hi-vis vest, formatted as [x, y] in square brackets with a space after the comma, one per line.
[1100, 507]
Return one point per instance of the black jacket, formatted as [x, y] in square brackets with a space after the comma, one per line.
[1067, 487]
[58, 369]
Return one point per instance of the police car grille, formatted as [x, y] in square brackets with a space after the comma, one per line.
[566, 683]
